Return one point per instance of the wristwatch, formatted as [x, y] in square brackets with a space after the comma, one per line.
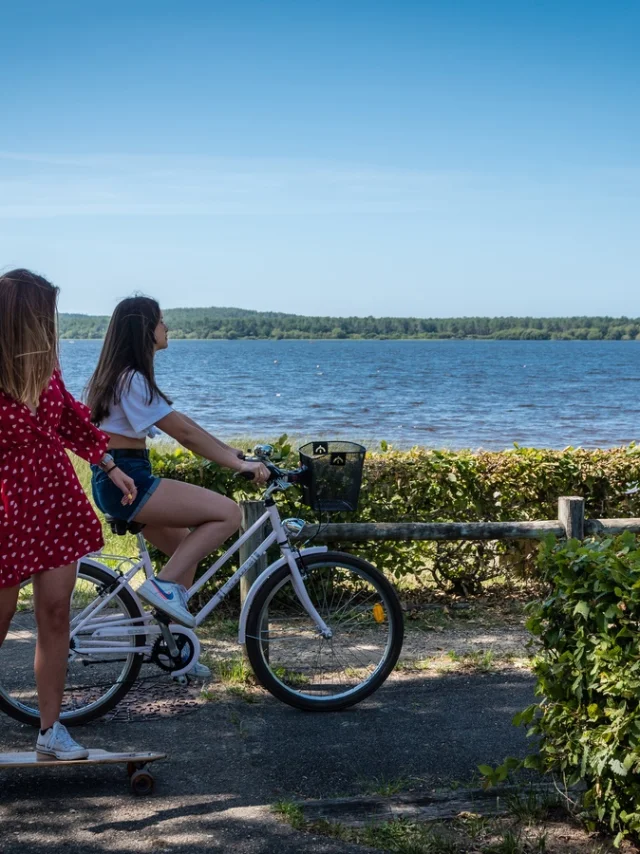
[107, 463]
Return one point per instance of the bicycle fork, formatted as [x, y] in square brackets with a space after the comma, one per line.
[296, 576]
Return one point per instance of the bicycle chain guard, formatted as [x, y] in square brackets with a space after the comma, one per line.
[184, 638]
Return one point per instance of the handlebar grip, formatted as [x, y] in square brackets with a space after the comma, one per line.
[245, 475]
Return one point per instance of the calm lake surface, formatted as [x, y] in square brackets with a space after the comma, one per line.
[453, 394]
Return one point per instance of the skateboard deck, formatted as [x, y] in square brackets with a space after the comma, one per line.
[140, 777]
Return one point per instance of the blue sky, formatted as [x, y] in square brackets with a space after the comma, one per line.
[387, 158]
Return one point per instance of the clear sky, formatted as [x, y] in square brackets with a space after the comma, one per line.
[385, 157]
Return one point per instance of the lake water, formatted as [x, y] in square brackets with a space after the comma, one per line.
[439, 394]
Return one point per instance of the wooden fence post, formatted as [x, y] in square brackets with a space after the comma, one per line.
[571, 516]
[251, 512]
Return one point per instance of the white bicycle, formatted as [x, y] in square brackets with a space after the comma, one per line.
[322, 630]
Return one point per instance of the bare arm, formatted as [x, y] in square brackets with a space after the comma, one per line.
[219, 442]
[192, 436]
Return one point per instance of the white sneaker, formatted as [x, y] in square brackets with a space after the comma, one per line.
[168, 597]
[57, 742]
[198, 671]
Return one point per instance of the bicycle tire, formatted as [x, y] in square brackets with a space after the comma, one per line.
[269, 670]
[75, 717]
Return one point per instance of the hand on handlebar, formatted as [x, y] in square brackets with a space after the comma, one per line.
[257, 472]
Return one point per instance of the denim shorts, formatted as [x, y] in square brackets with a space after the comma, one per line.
[108, 497]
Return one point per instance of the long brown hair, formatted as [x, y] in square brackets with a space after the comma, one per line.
[129, 346]
[28, 335]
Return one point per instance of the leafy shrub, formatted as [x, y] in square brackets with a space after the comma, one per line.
[588, 677]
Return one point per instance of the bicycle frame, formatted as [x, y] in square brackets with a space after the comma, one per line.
[101, 628]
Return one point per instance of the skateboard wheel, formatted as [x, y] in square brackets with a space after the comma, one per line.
[132, 767]
[142, 783]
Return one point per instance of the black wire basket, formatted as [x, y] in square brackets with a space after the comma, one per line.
[334, 475]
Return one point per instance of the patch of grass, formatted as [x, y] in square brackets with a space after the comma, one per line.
[472, 782]
[25, 599]
[293, 678]
[384, 786]
[415, 664]
[516, 842]
[482, 660]
[243, 693]
[291, 813]
[233, 671]
[219, 627]
[468, 834]
[234, 677]
[531, 805]
[208, 694]
[399, 837]
[535, 826]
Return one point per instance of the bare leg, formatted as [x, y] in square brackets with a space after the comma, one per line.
[212, 517]
[52, 597]
[8, 600]
[168, 540]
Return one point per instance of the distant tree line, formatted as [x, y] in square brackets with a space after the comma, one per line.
[232, 323]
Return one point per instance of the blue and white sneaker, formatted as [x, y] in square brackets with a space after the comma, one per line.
[58, 743]
[168, 597]
[199, 671]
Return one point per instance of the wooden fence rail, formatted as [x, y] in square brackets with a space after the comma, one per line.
[360, 533]
[570, 523]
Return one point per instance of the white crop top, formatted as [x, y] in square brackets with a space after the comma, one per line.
[133, 416]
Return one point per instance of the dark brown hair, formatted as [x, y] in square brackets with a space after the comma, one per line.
[129, 346]
[28, 335]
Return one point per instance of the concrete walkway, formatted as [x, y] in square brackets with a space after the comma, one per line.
[230, 760]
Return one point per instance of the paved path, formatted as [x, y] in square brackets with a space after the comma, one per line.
[230, 760]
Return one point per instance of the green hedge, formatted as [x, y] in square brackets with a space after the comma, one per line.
[424, 485]
[588, 677]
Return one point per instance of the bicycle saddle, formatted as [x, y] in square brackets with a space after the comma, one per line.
[122, 527]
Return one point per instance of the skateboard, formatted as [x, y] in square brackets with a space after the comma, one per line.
[141, 779]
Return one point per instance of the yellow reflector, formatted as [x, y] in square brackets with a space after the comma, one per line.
[378, 613]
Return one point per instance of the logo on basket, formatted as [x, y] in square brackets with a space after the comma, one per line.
[319, 449]
[338, 459]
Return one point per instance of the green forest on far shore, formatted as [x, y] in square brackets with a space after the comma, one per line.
[230, 323]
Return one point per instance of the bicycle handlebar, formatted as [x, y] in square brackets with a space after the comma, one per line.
[291, 476]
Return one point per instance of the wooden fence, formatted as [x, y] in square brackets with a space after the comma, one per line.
[571, 523]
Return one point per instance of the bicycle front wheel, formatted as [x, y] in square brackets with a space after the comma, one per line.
[292, 660]
[94, 683]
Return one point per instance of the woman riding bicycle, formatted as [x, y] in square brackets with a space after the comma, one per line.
[184, 521]
[46, 522]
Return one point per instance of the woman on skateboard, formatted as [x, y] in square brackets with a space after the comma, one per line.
[46, 521]
[184, 521]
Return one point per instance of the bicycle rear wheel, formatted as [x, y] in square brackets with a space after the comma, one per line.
[94, 684]
[295, 663]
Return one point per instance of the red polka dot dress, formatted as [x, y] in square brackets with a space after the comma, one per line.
[46, 520]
